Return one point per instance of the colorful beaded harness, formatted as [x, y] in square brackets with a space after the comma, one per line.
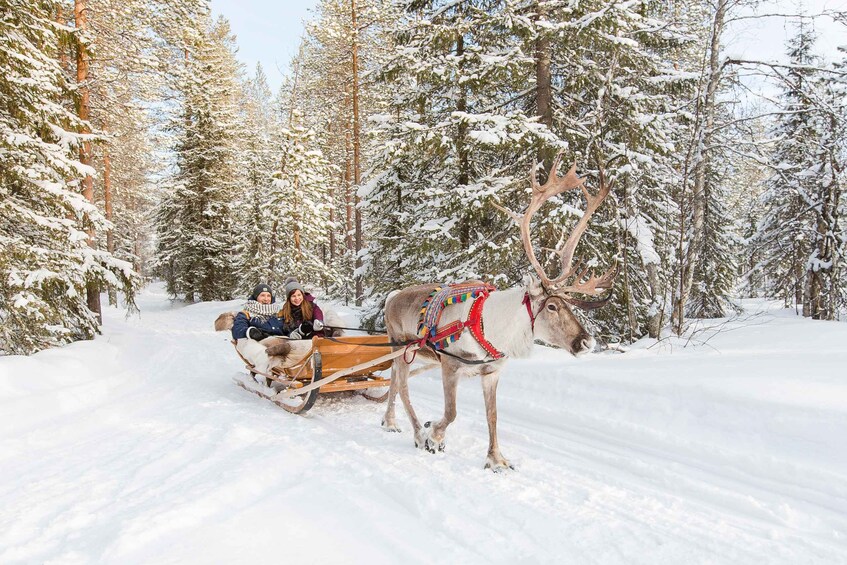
[433, 307]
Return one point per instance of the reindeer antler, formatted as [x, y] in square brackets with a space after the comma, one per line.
[540, 194]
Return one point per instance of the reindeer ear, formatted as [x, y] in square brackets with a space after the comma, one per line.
[533, 287]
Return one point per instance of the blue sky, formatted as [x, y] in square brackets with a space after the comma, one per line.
[268, 31]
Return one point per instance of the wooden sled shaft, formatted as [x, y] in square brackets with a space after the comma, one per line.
[288, 393]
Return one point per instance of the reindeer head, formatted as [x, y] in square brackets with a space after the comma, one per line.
[551, 298]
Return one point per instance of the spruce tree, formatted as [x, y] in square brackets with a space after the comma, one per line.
[45, 260]
[195, 221]
[258, 150]
[457, 139]
[798, 234]
[299, 203]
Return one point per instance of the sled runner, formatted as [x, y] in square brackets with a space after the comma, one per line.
[331, 365]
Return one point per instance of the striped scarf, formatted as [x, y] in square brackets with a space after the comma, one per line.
[262, 310]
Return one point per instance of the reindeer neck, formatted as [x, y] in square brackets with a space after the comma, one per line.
[506, 322]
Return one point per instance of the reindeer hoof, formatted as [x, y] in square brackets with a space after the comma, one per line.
[390, 427]
[432, 446]
[498, 466]
[424, 440]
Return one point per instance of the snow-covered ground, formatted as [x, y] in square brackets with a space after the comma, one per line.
[138, 448]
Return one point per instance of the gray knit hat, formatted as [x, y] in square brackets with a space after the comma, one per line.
[259, 289]
[291, 285]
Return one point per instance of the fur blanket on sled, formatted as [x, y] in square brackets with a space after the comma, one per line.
[281, 351]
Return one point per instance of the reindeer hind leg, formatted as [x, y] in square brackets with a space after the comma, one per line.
[401, 374]
[389, 420]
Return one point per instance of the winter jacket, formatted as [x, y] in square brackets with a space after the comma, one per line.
[297, 314]
[269, 324]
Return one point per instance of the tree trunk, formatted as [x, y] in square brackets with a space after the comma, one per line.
[107, 196]
[332, 232]
[822, 295]
[799, 287]
[543, 76]
[357, 163]
[85, 157]
[702, 140]
[64, 61]
[348, 197]
[543, 86]
[463, 178]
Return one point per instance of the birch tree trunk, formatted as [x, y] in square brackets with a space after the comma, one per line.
[702, 140]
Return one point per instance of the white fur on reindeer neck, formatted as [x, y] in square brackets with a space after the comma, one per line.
[507, 323]
[259, 309]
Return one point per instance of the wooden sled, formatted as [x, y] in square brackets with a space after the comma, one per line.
[331, 365]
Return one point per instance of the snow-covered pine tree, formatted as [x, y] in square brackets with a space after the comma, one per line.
[458, 137]
[299, 203]
[45, 260]
[321, 90]
[826, 289]
[716, 268]
[463, 130]
[126, 74]
[714, 153]
[622, 76]
[835, 213]
[196, 232]
[798, 234]
[128, 194]
[259, 160]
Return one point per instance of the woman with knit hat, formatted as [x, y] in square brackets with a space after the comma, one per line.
[300, 312]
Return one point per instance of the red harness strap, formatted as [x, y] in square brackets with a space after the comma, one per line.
[474, 324]
[528, 303]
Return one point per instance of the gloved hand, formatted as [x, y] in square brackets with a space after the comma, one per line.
[303, 331]
[256, 333]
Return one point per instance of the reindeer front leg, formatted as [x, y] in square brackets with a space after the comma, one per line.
[432, 435]
[495, 461]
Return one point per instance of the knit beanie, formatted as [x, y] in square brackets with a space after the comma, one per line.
[260, 288]
[291, 285]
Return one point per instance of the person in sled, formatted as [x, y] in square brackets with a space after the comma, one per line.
[259, 319]
[302, 318]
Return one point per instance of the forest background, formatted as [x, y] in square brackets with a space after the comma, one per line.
[134, 144]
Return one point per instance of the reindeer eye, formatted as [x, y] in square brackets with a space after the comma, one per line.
[552, 307]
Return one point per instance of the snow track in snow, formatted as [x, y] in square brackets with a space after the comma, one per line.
[138, 448]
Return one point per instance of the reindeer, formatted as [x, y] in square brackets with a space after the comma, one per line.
[512, 319]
